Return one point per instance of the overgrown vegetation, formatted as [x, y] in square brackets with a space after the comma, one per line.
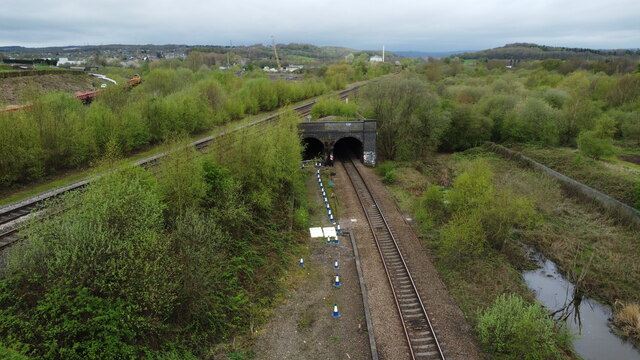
[59, 133]
[475, 225]
[162, 265]
[328, 106]
[449, 106]
[613, 178]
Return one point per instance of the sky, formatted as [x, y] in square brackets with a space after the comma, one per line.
[426, 25]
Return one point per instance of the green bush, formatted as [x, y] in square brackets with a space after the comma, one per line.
[513, 329]
[556, 97]
[591, 144]
[109, 240]
[9, 354]
[532, 121]
[468, 128]
[482, 215]
[599, 141]
[430, 209]
[462, 238]
[473, 188]
[387, 171]
[497, 107]
[329, 106]
[180, 179]
[637, 203]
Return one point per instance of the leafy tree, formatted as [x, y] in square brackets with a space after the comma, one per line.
[497, 107]
[556, 97]
[630, 126]
[468, 128]
[410, 119]
[532, 121]
[338, 75]
[627, 90]
[180, 179]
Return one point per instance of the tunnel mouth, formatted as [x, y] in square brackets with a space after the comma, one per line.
[313, 148]
[348, 147]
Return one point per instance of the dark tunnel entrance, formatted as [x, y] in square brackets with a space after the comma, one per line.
[348, 146]
[313, 148]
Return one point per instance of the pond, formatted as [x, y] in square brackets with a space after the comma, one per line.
[586, 317]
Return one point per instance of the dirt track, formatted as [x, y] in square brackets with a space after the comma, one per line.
[13, 90]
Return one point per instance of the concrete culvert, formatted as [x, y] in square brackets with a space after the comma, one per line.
[348, 146]
[313, 148]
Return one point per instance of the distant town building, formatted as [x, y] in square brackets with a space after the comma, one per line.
[292, 68]
[66, 61]
[375, 58]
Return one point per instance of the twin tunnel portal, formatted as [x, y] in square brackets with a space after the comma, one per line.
[322, 139]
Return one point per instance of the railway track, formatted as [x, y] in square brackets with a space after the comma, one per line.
[12, 216]
[418, 330]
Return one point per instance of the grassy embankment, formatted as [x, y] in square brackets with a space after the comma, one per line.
[591, 250]
[611, 175]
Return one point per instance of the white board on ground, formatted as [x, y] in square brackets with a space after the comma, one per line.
[316, 232]
[329, 231]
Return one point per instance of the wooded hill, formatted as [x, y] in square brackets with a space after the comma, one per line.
[526, 51]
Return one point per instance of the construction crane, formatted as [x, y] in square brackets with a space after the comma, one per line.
[275, 51]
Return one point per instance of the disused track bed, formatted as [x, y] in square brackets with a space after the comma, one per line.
[11, 216]
[418, 330]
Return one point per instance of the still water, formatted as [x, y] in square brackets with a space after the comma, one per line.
[589, 319]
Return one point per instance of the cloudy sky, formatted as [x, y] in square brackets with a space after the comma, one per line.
[426, 25]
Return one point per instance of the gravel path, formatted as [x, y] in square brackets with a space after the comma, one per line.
[302, 326]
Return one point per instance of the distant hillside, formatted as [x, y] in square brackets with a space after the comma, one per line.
[289, 53]
[293, 52]
[525, 51]
[426, 54]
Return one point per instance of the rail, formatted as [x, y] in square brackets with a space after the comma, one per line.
[418, 329]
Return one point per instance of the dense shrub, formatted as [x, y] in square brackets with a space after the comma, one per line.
[532, 121]
[482, 216]
[556, 97]
[497, 107]
[431, 209]
[599, 141]
[468, 128]
[515, 329]
[58, 132]
[387, 171]
[462, 238]
[328, 106]
[139, 266]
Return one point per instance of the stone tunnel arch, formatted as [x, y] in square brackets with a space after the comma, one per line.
[347, 145]
[313, 148]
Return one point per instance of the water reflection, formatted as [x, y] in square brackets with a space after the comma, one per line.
[584, 316]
